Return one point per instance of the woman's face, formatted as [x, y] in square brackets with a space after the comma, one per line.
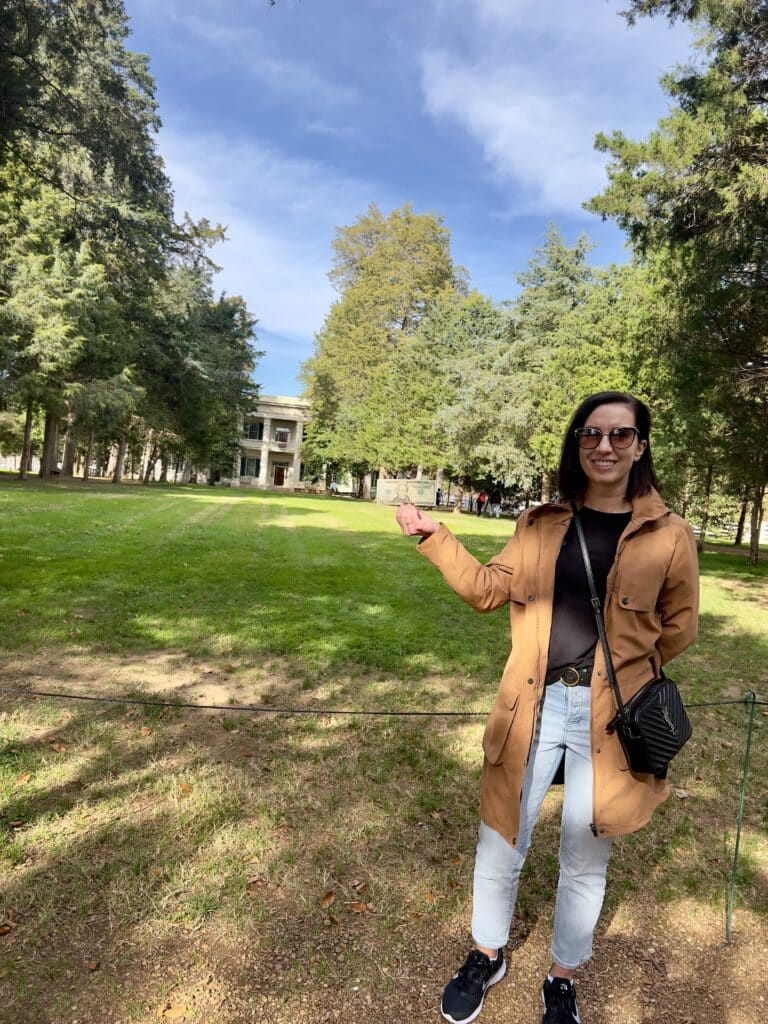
[606, 465]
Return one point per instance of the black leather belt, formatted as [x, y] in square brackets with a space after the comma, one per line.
[570, 676]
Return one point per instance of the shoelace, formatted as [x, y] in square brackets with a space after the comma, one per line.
[475, 971]
[563, 998]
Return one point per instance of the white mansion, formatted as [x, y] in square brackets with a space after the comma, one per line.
[270, 446]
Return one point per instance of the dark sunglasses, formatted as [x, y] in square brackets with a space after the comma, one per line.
[620, 437]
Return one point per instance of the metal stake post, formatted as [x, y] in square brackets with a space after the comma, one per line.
[749, 698]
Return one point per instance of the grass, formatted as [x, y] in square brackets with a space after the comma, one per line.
[190, 855]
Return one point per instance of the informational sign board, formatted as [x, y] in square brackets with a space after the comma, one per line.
[398, 492]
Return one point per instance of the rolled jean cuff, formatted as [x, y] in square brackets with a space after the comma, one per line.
[560, 961]
[498, 942]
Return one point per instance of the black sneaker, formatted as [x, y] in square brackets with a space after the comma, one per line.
[559, 998]
[465, 992]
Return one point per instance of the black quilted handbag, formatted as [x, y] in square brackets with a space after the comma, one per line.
[652, 726]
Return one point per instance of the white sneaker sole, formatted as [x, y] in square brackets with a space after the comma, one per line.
[492, 981]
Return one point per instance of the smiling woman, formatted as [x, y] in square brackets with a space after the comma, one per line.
[554, 708]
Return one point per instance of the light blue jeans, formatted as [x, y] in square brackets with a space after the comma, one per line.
[563, 728]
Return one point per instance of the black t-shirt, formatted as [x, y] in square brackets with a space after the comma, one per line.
[574, 630]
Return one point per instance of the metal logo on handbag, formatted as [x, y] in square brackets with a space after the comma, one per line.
[652, 726]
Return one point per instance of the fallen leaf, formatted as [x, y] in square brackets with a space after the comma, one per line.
[58, 747]
[145, 731]
[361, 888]
[185, 788]
[23, 778]
[93, 965]
[430, 897]
[457, 859]
[5, 929]
[356, 906]
[18, 824]
[174, 1012]
[683, 794]
[327, 899]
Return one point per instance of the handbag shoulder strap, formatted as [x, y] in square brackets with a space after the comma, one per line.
[597, 609]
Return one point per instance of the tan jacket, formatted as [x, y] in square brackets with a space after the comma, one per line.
[651, 613]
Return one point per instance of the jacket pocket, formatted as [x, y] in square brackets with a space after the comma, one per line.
[518, 593]
[638, 597]
[497, 732]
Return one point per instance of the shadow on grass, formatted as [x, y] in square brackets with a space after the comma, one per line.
[182, 846]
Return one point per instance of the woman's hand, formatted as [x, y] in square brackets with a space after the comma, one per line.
[415, 523]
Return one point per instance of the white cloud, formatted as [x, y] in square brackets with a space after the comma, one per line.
[251, 51]
[281, 214]
[539, 140]
[534, 82]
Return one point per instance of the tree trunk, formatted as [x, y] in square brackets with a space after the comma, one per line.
[383, 474]
[705, 510]
[110, 459]
[151, 460]
[70, 448]
[366, 488]
[50, 452]
[164, 468]
[117, 476]
[459, 495]
[742, 518]
[686, 495]
[88, 450]
[186, 472]
[756, 523]
[546, 487]
[419, 472]
[26, 447]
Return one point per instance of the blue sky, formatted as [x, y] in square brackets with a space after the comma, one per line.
[285, 122]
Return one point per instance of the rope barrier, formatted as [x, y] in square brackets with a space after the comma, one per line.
[748, 700]
[247, 708]
[320, 712]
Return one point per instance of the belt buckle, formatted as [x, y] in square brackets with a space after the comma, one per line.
[570, 676]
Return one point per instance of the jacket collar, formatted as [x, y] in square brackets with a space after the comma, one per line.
[645, 509]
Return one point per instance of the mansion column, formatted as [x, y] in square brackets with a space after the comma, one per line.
[265, 445]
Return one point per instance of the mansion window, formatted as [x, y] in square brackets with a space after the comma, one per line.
[282, 436]
[255, 431]
[250, 467]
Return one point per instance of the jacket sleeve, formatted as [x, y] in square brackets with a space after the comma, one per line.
[483, 587]
[679, 599]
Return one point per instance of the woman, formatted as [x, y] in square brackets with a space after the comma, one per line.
[554, 702]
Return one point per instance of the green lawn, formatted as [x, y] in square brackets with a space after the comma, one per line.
[229, 865]
[326, 584]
